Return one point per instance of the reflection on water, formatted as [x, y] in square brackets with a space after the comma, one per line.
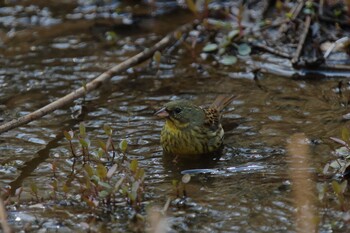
[245, 189]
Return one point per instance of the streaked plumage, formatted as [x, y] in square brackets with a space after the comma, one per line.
[190, 130]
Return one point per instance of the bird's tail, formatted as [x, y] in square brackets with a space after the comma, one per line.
[222, 101]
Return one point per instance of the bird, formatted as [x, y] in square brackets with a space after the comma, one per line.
[191, 130]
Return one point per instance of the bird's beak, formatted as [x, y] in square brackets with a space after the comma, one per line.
[162, 113]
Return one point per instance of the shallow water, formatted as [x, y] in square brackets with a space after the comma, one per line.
[246, 190]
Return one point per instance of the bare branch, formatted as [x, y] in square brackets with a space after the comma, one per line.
[94, 84]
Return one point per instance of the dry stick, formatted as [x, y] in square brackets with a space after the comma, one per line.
[94, 84]
[320, 7]
[297, 9]
[271, 50]
[302, 39]
[294, 12]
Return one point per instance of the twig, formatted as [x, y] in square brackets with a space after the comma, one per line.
[340, 42]
[320, 8]
[97, 82]
[263, 28]
[271, 50]
[302, 39]
[296, 10]
[294, 14]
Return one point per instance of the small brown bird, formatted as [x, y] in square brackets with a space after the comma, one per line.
[190, 130]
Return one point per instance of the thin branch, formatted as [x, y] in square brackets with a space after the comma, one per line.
[271, 50]
[97, 82]
[339, 42]
[302, 39]
[297, 9]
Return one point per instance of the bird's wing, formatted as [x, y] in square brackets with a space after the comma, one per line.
[212, 118]
[221, 102]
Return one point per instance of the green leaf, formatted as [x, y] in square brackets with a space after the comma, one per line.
[100, 153]
[336, 187]
[108, 129]
[133, 165]
[133, 194]
[233, 34]
[105, 185]
[157, 56]
[279, 5]
[140, 175]
[111, 36]
[337, 164]
[178, 35]
[102, 145]
[123, 145]
[345, 135]
[34, 188]
[219, 23]
[101, 171]
[124, 190]
[84, 142]
[95, 179]
[82, 130]
[228, 60]
[68, 135]
[224, 42]
[192, 6]
[343, 186]
[244, 49]
[111, 171]
[289, 15]
[135, 186]
[221, 51]
[88, 169]
[65, 188]
[308, 4]
[175, 183]
[117, 185]
[85, 87]
[103, 194]
[210, 47]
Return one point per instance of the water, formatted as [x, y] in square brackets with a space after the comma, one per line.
[247, 189]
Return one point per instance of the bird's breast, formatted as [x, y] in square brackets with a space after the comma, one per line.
[190, 141]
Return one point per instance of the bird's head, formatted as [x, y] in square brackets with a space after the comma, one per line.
[182, 114]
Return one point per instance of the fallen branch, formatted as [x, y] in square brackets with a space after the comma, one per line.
[302, 40]
[94, 84]
[270, 50]
[297, 9]
[342, 42]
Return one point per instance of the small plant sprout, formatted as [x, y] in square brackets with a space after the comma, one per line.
[342, 163]
[339, 190]
[123, 145]
[175, 184]
[34, 190]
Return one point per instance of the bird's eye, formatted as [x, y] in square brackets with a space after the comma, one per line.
[177, 110]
